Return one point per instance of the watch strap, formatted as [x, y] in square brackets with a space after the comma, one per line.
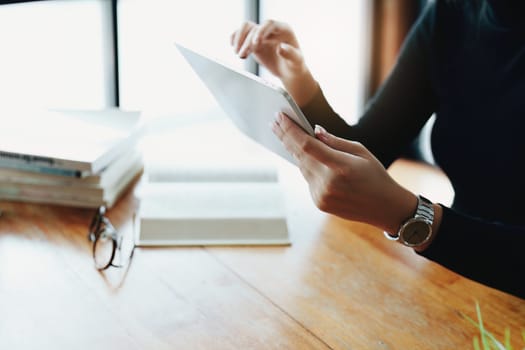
[424, 211]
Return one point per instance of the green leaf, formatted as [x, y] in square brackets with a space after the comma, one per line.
[488, 341]
[508, 346]
[475, 343]
[484, 339]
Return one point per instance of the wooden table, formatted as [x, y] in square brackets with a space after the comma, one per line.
[340, 285]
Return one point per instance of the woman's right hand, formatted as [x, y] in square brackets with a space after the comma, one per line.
[274, 45]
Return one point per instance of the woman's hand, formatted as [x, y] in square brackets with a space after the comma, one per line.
[345, 179]
[273, 45]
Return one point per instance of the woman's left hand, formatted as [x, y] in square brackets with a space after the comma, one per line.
[344, 178]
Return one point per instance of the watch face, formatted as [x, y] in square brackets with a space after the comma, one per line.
[416, 233]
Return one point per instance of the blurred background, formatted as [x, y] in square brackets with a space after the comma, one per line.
[91, 54]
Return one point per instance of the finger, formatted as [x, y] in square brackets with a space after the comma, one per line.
[307, 165]
[256, 35]
[247, 46]
[240, 35]
[340, 144]
[290, 53]
[256, 41]
[279, 130]
[233, 38]
[265, 30]
[302, 145]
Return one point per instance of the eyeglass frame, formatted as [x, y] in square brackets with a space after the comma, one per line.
[99, 226]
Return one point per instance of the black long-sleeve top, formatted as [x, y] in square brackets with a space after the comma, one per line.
[465, 62]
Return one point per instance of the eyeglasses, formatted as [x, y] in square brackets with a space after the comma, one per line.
[109, 246]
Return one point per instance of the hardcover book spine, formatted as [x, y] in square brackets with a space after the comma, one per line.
[42, 162]
[35, 167]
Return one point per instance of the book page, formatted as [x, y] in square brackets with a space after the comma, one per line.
[211, 172]
[181, 213]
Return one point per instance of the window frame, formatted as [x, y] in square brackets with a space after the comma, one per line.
[252, 11]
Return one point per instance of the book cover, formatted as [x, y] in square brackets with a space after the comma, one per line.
[83, 142]
[105, 177]
[74, 195]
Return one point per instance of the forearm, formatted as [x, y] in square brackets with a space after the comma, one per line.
[302, 87]
[400, 108]
[319, 112]
[488, 252]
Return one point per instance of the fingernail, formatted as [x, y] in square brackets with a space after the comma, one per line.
[320, 131]
[278, 117]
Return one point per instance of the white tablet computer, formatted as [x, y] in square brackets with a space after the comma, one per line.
[247, 99]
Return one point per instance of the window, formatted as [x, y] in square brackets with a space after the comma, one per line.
[56, 54]
[154, 77]
[334, 37]
[60, 53]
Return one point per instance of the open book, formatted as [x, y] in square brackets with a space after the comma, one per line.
[196, 205]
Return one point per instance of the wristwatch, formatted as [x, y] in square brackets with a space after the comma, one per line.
[416, 230]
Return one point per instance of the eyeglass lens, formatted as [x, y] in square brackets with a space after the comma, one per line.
[109, 246]
[104, 249]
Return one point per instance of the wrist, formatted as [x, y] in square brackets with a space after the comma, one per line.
[402, 208]
[301, 86]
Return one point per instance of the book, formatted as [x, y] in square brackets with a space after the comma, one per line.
[27, 167]
[104, 178]
[67, 142]
[212, 210]
[90, 192]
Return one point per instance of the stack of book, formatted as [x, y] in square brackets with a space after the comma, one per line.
[75, 158]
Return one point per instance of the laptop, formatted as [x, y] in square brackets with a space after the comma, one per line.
[248, 100]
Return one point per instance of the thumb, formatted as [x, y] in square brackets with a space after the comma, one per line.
[290, 53]
[340, 144]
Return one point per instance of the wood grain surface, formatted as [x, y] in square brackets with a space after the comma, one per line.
[340, 285]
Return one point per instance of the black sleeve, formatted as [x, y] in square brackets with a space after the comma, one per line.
[398, 111]
[488, 252]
